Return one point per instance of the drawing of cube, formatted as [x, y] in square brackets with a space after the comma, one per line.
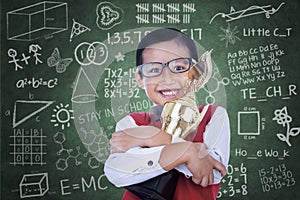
[248, 123]
[37, 20]
[34, 185]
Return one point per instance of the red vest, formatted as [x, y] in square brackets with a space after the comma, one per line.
[186, 188]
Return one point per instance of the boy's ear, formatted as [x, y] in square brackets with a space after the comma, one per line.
[139, 80]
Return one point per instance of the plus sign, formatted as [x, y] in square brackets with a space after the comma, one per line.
[25, 58]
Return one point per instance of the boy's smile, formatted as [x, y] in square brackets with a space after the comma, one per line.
[168, 86]
[168, 92]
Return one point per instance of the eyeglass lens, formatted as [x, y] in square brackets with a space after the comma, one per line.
[176, 66]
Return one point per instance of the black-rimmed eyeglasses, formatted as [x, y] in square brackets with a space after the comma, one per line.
[178, 65]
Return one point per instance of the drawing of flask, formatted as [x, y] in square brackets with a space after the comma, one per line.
[181, 116]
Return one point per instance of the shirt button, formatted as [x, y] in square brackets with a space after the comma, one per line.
[150, 163]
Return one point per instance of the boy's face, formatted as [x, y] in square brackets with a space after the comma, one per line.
[167, 86]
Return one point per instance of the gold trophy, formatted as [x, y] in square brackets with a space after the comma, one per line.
[181, 116]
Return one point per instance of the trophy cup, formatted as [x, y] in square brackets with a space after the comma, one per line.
[181, 116]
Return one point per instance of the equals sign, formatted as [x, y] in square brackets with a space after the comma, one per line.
[75, 186]
[236, 169]
[236, 180]
[45, 83]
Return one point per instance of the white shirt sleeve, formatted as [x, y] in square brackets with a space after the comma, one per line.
[135, 165]
[140, 164]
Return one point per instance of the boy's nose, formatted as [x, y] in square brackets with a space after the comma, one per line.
[167, 77]
[166, 72]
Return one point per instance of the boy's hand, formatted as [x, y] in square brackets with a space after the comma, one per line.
[122, 141]
[201, 164]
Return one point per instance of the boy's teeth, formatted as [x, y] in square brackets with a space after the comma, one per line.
[167, 93]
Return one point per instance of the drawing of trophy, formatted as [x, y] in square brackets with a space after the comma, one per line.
[181, 116]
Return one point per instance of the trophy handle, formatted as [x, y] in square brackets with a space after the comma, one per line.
[199, 117]
[200, 72]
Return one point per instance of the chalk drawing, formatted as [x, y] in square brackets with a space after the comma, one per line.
[91, 53]
[172, 13]
[108, 15]
[252, 10]
[282, 118]
[55, 60]
[62, 116]
[213, 85]
[66, 154]
[19, 103]
[229, 35]
[83, 91]
[34, 48]
[96, 143]
[28, 147]
[13, 54]
[34, 185]
[246, 117]
[78, 29]
[119, 57]
[25, 58]
[37, 20]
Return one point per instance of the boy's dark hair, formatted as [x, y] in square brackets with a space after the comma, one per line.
[163, 35]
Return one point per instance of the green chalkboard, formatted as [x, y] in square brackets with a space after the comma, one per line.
[67, 77]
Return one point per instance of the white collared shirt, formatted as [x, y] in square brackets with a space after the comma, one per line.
[140, 164]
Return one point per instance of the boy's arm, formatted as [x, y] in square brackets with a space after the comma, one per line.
[217, 139]
[140, 164]
[221, 134]
[141, 136]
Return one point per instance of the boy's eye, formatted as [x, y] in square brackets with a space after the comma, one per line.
[179, 65]
[179, 68]
[154, 70]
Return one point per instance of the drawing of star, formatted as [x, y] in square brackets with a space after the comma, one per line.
[119, 57]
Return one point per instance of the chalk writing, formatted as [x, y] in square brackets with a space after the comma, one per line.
[85, 184]
[235, 182]
[257, 64]
[276, 178]
[262, 154]
[36, 83]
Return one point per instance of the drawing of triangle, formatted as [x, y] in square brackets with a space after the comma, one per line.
[24, 110]
[78, 29]
[83, 91]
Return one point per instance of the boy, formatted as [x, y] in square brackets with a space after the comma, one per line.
[141, 151]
